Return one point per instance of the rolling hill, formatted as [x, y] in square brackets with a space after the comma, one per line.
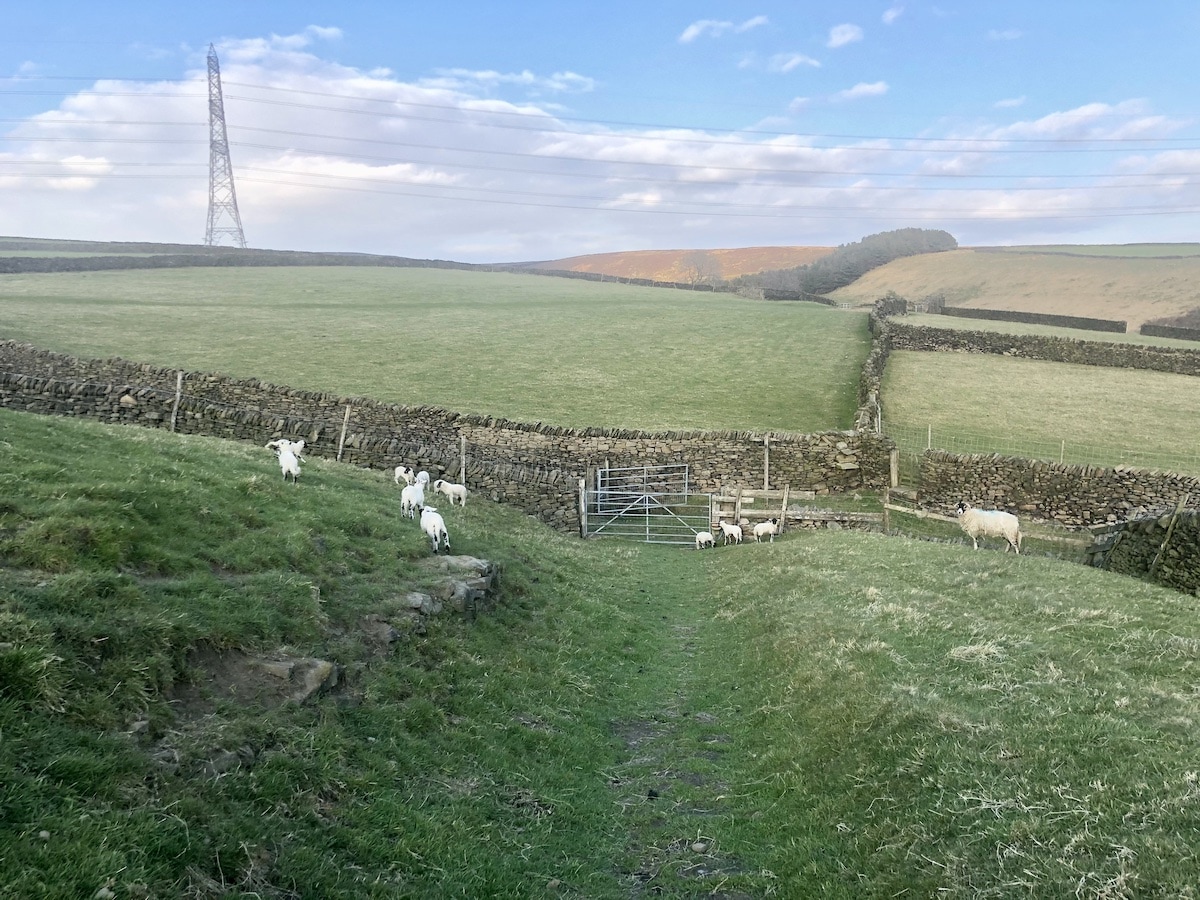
[686, 265]
[1135, 283]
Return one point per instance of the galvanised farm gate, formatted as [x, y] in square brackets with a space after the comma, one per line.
[654, 504]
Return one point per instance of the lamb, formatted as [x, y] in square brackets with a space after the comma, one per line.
[705, 539]
[405, 474]
[990, 523]
[412, 498]
[769, 527]
[452, 491]
[289, 462]
[421, 478]
[434, 525]
[730, 533]
[297, 447]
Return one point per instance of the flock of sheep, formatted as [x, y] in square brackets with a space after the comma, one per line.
[412, 498]
[732, 534]
[976, 523]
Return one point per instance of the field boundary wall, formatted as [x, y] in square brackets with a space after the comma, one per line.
[1170, 331]
[533, 467]
[1031, 318]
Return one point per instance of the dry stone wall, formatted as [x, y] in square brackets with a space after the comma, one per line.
[1079, 496]
[1164, 549]
[533, 467]
[1178, 360]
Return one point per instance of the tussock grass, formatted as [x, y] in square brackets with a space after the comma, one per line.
[834, 714]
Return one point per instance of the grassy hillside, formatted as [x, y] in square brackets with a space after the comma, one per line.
[834, 715]
[690, 265]
[525, 347]
[1128, 285]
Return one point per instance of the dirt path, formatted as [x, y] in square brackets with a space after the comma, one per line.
[674, 799]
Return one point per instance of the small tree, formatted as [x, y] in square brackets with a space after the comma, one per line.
[698, 267]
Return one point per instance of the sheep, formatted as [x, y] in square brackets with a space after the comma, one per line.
[730, 533]
[434, 525]
[412, 498]
[990, 523]
[705, 539]
[289, 462]
[769, 527]
[297, 447]
[421, 478]
[405, 474]
[452, 491]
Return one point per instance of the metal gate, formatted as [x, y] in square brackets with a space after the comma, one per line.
[653, 504]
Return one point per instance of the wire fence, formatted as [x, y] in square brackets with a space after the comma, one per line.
[912, 441]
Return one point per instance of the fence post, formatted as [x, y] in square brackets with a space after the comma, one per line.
[342, 439]
[929, 439]
[583, 527]
[178, 397]
[1158, 557]
[462, 459]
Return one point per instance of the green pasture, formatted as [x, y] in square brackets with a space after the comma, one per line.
[963, 323]
[522, 347]
[833, 715]
[984, 403]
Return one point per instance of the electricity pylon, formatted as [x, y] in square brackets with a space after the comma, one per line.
[224, 220]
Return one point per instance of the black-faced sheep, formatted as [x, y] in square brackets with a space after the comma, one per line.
[730, 534]
[979, 523]
[763, 529]
[434, 525]
[405, 474]
[452, 491]
[412, 498]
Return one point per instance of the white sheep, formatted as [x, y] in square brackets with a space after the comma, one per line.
[452, 491]
[412, 498]
[763, 529]
[296, 447]
[434, 525]
[990, 523]
[405, 474]
[289, 462]
[730, 533]
[705, 539]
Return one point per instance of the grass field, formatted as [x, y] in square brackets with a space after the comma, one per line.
[528, 348]
[983, 403]
[1111, 283]
[837, 715]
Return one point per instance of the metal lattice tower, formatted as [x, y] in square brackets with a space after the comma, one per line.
[224, 220]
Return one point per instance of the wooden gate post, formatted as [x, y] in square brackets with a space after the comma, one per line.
[342, 439]
[178, 397]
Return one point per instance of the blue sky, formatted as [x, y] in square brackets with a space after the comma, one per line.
[484, 132]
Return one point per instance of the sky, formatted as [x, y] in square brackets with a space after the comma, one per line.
[487, 132]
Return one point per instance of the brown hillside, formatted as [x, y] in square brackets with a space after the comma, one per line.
[1128, 288]
[685, 265]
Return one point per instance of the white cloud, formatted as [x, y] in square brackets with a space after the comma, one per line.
[466, 79]
[1009, 103]
[716, 28]
[892, 14]
[786, 62]
[841, 35]
[332, 157]
[862, 89]
[1008, 34]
